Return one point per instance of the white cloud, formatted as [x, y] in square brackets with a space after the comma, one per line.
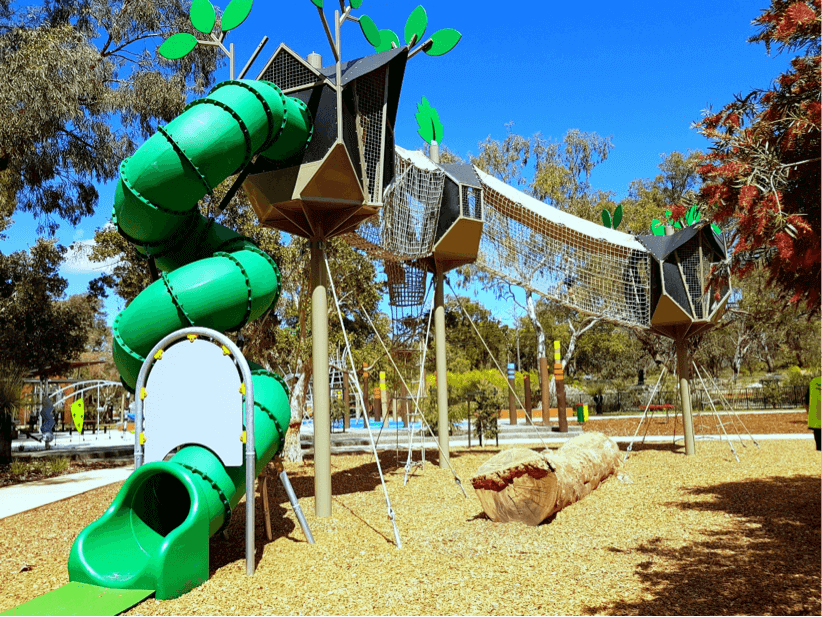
[78, 260]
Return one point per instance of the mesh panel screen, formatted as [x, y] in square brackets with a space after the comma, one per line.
[589, 274]
[471, 202]
[406, 283]
[369, 93]
[690, 258]
[406, 297]
[288, 72]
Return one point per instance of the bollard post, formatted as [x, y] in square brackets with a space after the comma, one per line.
[512, 405]
[559, 378]
[526, 382]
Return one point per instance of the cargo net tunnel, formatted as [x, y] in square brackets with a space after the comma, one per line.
[583, 265]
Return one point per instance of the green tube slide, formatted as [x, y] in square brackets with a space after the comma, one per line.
[155, 534]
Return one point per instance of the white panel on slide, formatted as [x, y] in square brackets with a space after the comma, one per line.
[193, 397]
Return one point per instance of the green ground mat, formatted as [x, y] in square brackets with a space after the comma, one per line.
[82, 599]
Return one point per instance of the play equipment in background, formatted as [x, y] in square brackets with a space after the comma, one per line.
[521, 485]
[78, 414]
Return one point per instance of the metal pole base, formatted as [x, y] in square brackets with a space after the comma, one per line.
[295, 505]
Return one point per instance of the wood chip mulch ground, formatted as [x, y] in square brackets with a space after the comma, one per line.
[704, 424]
[678, 535]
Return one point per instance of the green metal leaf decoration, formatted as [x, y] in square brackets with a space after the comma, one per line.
[689, 215]
[668, 214]
[716, 229]
[370, 30]
[428, 121]
[355, 4]
[235, 14]
[177, 45]
[443, 41]
[617, 216]
[657, 228]
[203, 16]
[319, 3]
[415, 26]
[677, 225]
[386, 38]
[606, 218]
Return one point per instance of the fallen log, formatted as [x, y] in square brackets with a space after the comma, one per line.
[527, 486]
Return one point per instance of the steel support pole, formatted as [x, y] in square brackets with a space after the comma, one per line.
[442, 379]
[367, 398]
[526, 383]
[683, 369]
[321, 390]
[559, 380]
[346, 403]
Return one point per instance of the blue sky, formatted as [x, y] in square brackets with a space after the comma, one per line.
[638, 72]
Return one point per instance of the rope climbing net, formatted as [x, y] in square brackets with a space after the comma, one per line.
[581, 264]
[407, 222]
[588, 267]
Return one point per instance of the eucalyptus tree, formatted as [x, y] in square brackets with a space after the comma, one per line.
[41, 331]
[82, 85]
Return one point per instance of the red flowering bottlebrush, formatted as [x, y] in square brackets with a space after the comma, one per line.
[677, 212]
[761, 178]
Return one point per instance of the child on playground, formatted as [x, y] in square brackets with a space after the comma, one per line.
[813, 402]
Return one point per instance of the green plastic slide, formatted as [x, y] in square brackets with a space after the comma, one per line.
[155, 534]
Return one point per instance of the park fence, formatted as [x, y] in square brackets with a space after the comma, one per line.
[742, 399]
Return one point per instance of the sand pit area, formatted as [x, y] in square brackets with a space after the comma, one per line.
[683, 535]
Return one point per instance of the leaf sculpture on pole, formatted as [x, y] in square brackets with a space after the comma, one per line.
[203, 18]
[428, 121]
[438, 44]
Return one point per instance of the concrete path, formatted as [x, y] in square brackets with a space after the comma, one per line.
[29, 495]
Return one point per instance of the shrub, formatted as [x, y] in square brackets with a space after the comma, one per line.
[58, 465]
[489, 400]
[796, 377]
[18, 468]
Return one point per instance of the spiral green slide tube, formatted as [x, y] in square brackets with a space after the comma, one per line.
[155, 534]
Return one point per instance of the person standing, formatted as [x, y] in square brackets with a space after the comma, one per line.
[813, 402]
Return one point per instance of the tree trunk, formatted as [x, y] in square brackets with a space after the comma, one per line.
[767, 356]
[739, 356]
[292, 450]
[5, 437]
[542, 358]
[587, 324]
[525, 486]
